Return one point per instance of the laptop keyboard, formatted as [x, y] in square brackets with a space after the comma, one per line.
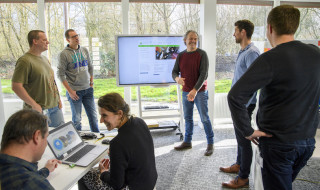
[75, 157]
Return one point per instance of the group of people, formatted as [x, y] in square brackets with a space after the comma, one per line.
[33, 80]
[131, 162]
[25, 133]
[287, 118]
[289, 83]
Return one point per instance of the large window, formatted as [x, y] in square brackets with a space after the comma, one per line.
[16, 20]
[309, 24]
[98, 23]
[163, 18]
[227, 49]
[55, 31]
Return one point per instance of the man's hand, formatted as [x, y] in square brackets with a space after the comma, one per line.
[91, 81]
[23, 94]
[52, 164]
[73, 94]
[37, 107]
[180, 80]
[192, 95]
[60, 104]
[104, 165]
[255, 136]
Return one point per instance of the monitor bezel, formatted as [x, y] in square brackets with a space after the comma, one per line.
[146, 35]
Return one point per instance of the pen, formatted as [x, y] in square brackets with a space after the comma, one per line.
[102, 138]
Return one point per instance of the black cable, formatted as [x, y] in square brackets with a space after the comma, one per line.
[315, 182]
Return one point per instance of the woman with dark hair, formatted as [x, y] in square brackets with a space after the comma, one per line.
[132, 161]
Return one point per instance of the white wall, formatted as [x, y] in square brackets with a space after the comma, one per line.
[2, 118]
[125, 30]
[11, 106]
[208, 9]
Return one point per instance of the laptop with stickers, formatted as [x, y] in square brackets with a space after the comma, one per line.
[67, 146]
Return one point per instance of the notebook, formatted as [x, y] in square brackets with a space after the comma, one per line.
[67, 146]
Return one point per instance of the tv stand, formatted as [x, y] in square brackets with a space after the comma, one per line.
[157, 108]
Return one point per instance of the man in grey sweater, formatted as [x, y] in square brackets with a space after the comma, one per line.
[75, 71]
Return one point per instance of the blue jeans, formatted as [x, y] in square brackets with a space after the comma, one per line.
[244, 157]
[55, 115]
[201, 102]
[87, 99]
[283, 161]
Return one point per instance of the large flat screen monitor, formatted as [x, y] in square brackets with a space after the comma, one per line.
[146, 60]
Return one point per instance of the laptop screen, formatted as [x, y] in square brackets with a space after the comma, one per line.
[63, 139]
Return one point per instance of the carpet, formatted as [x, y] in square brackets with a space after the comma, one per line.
[309, 176]
[191, 170]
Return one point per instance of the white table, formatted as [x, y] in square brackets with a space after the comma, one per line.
[64, 177]
[256, 168]
[256, 162]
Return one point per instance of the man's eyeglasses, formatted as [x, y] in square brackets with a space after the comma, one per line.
[75, 36]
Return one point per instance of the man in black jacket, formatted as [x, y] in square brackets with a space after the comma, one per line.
[288, 76]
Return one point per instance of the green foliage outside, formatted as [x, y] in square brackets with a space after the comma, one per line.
[6, 86]
[103, 86]
[223, 86]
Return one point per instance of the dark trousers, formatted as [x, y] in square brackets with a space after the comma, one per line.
[244, 157]
[282, 161]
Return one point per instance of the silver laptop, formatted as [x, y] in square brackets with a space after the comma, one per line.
[67, 146]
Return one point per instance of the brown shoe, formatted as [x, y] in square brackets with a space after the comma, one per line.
[232, 169]
[236, 183]
[183, 146]
[209, 150]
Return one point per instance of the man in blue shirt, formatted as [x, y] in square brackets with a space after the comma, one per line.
[248, 53]
[23, 142]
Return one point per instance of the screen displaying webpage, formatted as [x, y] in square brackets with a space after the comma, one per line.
[61, 141]
[147, 59]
